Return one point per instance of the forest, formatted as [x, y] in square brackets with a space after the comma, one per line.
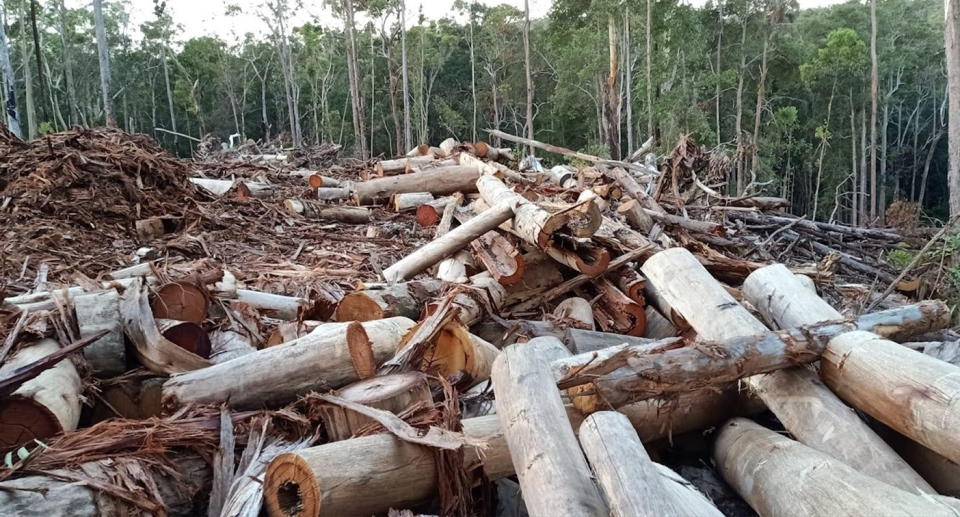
[785, 92]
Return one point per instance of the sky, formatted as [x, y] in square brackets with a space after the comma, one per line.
[206, 17]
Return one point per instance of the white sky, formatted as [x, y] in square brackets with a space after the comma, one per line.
[206, 17]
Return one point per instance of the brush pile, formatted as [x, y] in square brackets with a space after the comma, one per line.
[430, 333]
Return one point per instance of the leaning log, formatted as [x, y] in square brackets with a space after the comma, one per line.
[778, 476]
[331, 356]
[405, 299]
[448, 244]
[553, 473]
[439, 181]
[630, 480]
[810, 411]
[47, 405]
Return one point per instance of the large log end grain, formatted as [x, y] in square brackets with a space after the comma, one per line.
[298, 494]
[181, 301]
[455, 350]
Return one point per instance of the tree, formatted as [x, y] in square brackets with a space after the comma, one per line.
[874, 92]
[13, 114]
[952, 45]
[103, 53]
[66, 52]
[526, 60]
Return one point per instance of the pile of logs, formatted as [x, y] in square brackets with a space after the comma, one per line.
[561, 329]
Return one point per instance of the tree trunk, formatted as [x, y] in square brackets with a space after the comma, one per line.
[353, 72]
[874, 87]
[331, 356]
[407, 135]
[854, 209]
[404, 299]
[761, 90]
[27, 77]
[394, 393]
[321, 212]
[718, 71]
[823, 150]
[952, 44]
[47, 117]
[402, 165]
[103, 51]
[9, 80]
[44, 406]
[553, 473]
[528, 65]
[575, 312]
[649, 24]
[166, 78]
[778, 476]
[793, 395]
[738, 128]
[864, 213]
[613, 95]
[440, 181]
[628, 61]
[882, 200]
[630, 480]
[926, 164]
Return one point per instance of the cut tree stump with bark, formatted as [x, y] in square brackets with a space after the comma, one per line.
[321, 212]
[807, 409]
[101, 311]
[630, 480]
[47, 405]
[439, 182]
[553, 473]
[405, 299]
[330, 357]
[501, 258]
[394, 393]
[449, 243]
[778, 476]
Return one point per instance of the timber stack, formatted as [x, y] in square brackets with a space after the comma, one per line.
[297, 334]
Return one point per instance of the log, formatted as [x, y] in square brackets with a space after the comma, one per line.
[673, 317]
[429, 214]
[567, 152]
[333, 193]
[150, 229]
[538, 276]
[331, 356]
[182, 301]
[439, 181]
[778, 476]
[46, 496]
[499, 257]
[630, 480]
[561, 175]
[811, 412]
[553, 473]
[941, 473]
[218, 188]
[405, 299]
[96, 312]
[449, 243]
[448, 145]
[402, 165]
[320, 212]
[575, 312]
[47, 405]
[499, 168]
[275, 305]
[394, 393]
[615, 312]
[586, 258]
[291, 330]
[136, 397]
[457, 268]
[456, 351]
[630, 283]
[658, 327]
[186, 335]
[583, 341]
[471, 308]
[411, 200]
[229, 344]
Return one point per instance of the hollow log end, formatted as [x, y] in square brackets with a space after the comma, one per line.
[361, 351]
[188, 336]
[593, 262]
[291, 488]
[22, 420]
[181, 301]
[427, 215]
[357, 306]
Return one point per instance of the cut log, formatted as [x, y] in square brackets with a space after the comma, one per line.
[291, 330]
[941, 473]
[212, 186]
[402, 166]
[320, 212]
[96, 312]
[636, 217]
[675, 318]
[229, 344]
[575, 312]
[538, 276]
[42, 407]
[658, 327]
[186, 335]
[582, 341]
[472, 309]
[429, 214]
[150, 229]
[553, 473]
[136, 398]
[411, 200]
[561, 175]
[778, 476]
[333, 193]
[614, 311]
[331, 356]
[405, 299]
[586, 258]
[449, 243]
[448, 145]
[500, 257]
[457, 268]
[630, 283]
[183, 301]
[456, 351]
[439, 181]
[219, 188]
[275, 305]
[498, 168]
[630, 480]
[394, 393]
[811, 412]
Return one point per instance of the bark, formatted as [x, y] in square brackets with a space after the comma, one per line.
[628, 80]
[813, 414]
[331, 356]
[761, 90]
[630, 480]
[27, 77]
[864, 209]
[952, 45]
[456, 352]
[529, 72]
[649, 55]
[411, 200]
[39, 57]
[394, 393]
[173, 114]
[44, 406]
[926, 163]
[874, 87]
[104, 55]
[585, 341]
[353, 73]
[10, 94]
[718, 70]
[96, 312]
[553, 473]
[615, 311]
[439, 181]
[274, 305]
[499, 256]
[778, 476]
[613, 95]
[739, 121]
[153, 350]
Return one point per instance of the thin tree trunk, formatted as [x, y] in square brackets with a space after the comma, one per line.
[952, 44]
[761, 90]
[853, 160]
[526, 58]
[882, 200]
[613, 97]
[407, 135]
[650, 133]
[354, 74]
[934, 140]
[720, 4]
[166, 78]
[629, 78]
[373, 92]
[863, 166]
[739, 121]
[39, 57]
[874, 88]
[13, 114]
[823, 148]
[104, 54]
[473, 77]
[67, 64]
[916, 136]
[27, 78]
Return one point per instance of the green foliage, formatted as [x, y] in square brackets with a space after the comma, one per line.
[900, 258]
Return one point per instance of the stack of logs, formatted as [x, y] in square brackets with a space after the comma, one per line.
[574, 296]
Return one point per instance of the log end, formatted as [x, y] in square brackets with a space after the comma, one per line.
[593, 261]
[357, 306]
[427, 215]
[361, 351]
[186, 335]
[291, 488]
[181, 301]
[22, 420]
[316, 180]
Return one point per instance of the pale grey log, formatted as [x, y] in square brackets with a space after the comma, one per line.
[96, 312]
